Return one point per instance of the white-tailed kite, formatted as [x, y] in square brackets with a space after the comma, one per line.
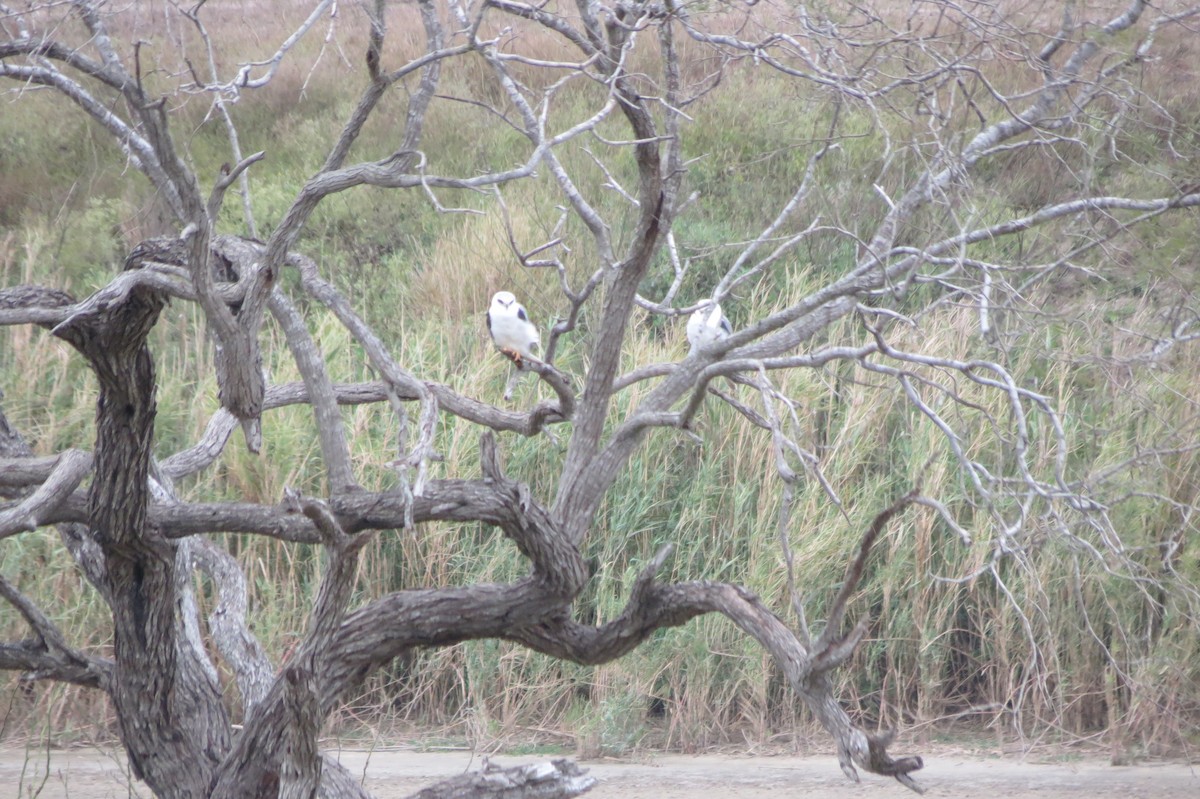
[512, 332]
[707, 325]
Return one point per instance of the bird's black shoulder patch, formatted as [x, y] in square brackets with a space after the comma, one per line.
[522, 315]
[728, 328]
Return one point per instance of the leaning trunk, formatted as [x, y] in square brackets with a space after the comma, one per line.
[173, 724]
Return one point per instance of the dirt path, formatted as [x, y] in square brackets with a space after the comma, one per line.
[92, 774]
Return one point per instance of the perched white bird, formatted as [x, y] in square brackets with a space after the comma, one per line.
[512, 332]
[707, 325]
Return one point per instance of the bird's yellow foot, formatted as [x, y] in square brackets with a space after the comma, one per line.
[513, 356]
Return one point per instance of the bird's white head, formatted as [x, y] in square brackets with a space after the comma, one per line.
[503, 299]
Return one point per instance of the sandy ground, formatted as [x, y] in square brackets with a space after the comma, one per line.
[93, 774]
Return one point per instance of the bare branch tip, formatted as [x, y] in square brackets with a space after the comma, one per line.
[665, 553]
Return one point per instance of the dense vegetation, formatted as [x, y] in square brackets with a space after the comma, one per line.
[1051, 646]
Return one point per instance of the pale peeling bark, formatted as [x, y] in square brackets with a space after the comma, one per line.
[559, 779]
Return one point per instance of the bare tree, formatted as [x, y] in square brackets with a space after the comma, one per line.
[919, 72]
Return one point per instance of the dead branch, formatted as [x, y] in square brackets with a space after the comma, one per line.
[831, 636]
[48, 656]
[68, 470]
[558, 779]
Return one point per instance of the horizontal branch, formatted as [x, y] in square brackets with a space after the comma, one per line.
[24, 472]
[38, 663]
[1049, 213]
[56, 51]
[65, 475]
[443, 500]
[42, 306]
